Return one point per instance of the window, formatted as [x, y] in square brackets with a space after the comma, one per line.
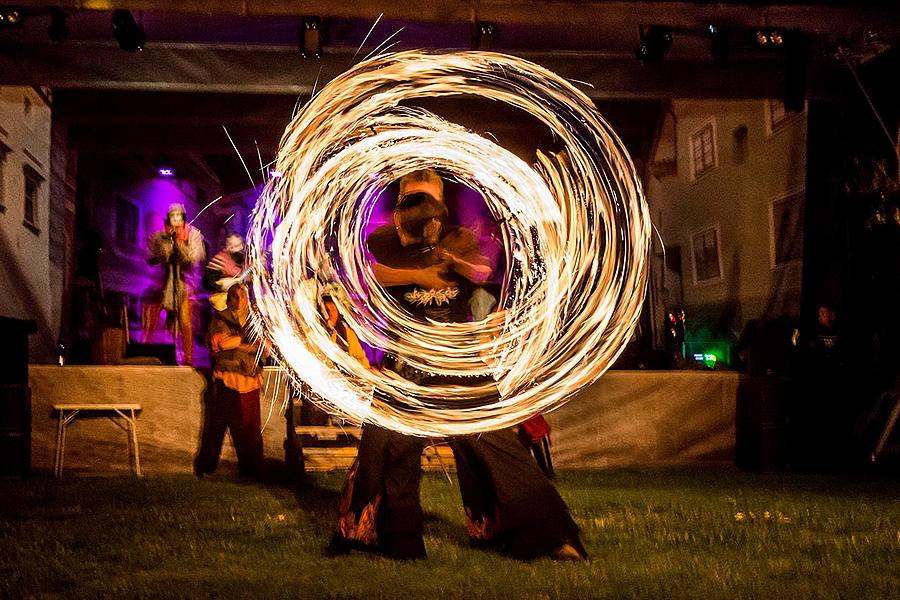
[739, 145]
[33, 182]
[3, 151]
[127, 217]
[703, 150]
[786, 227]
[706, 255]
[777, 115]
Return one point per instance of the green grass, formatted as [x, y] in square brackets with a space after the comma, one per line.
[651, 533]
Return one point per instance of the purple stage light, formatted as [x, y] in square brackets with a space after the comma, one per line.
[166, 172]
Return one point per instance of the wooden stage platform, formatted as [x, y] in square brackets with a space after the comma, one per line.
[626, 418]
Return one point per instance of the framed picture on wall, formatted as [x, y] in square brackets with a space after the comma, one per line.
[706, 255]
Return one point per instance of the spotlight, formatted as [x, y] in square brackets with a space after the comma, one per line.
[485, 35]
[58, 31]
[11, 17]
[166, 172]
[311, 37]
[655, 44]
[769, 38]
[127, 31]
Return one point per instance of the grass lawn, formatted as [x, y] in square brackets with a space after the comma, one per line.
[652, 533]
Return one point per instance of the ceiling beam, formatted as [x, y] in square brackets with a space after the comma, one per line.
[814, 17]
[280, 70]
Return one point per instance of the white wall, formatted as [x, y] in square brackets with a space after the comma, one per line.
[25, 290]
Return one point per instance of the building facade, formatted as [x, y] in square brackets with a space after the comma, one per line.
[31, 238]
[727, 194]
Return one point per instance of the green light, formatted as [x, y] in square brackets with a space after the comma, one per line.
[710, 360]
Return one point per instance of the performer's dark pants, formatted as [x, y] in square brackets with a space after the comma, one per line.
[239, 413]
[380, 508]
[509, 502]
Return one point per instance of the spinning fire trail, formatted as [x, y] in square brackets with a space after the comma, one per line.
[575, 227]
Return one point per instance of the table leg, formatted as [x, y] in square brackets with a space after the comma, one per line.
[57, 459]
[888, 428]
[134, 443]
[66, 419]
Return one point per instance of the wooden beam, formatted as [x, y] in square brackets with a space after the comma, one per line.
[242, 69]
[814, 17]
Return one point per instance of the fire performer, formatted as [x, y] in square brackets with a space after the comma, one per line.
[431, 268]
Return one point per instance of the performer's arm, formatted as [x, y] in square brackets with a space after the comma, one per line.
[474, 272]
[190, 250]
[463, 254]
[161, 246]
[428, 278]
[224, 341]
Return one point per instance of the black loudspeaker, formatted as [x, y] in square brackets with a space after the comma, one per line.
[796, 59]
[14, 350]
[761, 420]
[164, 352]
[15, 397]
[15, 429]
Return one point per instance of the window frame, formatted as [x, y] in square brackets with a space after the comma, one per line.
[773, 127]
[122, 201]
[711, 124]
[31, 175]
[716, 227]
[4, 152]
[773, 258]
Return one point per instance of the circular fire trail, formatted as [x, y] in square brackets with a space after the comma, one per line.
[575, 228]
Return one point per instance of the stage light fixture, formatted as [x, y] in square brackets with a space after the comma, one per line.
[311, 37]
[655, 44]
[128, 32]
[166, 172]
[769, 38]
[485, 35]
[58, 31]
[11, 17]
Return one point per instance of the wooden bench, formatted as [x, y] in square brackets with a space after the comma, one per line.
[316, 459]
[126, 411]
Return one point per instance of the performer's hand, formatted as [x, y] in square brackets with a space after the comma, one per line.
[476, 273]
[226, 282]
[433, 277]
[445, 256]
